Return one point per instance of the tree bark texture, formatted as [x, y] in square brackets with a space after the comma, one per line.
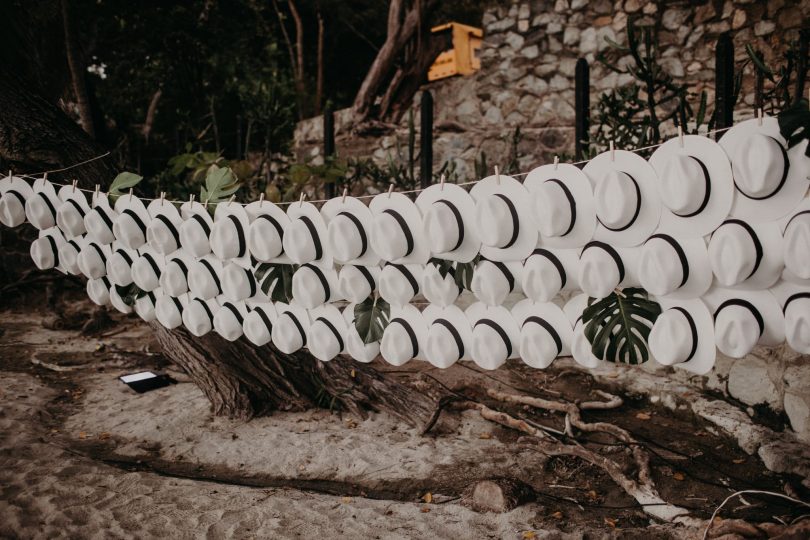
[77, 72]
[240, 379]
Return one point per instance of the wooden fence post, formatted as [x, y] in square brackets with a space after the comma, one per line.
[582, 105]
[724, 83]
[426, 140]
[328, 145]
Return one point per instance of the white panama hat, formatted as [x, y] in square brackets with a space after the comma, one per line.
[564, 209]
[326, 338]
[795, 229]
[493, 281]
[163, 232]
[169, 310]
[348, 233]
[145, 305]
[398, 235]
[313, 285]
[438, 290]
[119, 264]
[683, 336]
[502, 214]
[305, 236]
[495, 335]
[69, 254]
[547, 271]
[148, 268]
[117, 301]
[356, 282]
[795, 302]
[198, 316]
[92, 260]
[695, 183]
[14, 195]
[133, 219]
[205, 277]
[195, 231]
[362, 352]
[770, 180]
[100, 218]
[291, 328]
[746, 255]
[448, 215]
[45, 249]
[545, 332]
[229, 233]
[229, 318]
[399, 283]
[675, 267]
[98, 290]
[258, 325]
[238, 283]
[266, 234]
[174, 276]
[603, 268]
[41, 203]
[70, 214]
[404, 337]
[449, 336]
[743, 319]
[625, 188]
[581, 349]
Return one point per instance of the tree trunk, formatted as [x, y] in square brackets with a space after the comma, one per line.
[239, 379]
[77, 73]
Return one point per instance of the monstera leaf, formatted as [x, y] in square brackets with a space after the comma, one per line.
[794, 124]
[123, 182]
[129, 293]
[220, 184]
[617, 327]
[276, 280]
[371, 316]
[464, 273]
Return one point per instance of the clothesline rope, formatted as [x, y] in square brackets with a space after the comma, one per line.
[33, 176]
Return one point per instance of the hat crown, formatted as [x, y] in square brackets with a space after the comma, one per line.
[439, 290]
[127, 232]
[797, 325]
[395, 287]
[200, 280]
[494, 218]
[307, 288]
[344, 239]
[683, 184]
[732, 254]
[489, 284]
[12, 211]
[97, 229]
[70, 220]
[553, 210]
[617, 199]
[737, 331]
[671, 338]
[440, 346]
[119, 269]
[537, 348]
[193, 238]
[388, 238]
[42, 254]
[68, 258]
[396, 346]
[143, 274]
[541, 279]
[322, 342]
[598, 273]
[286, 335]
[659, 269]
[441, 228]
[352, 285]
[488, 349]
[797, 246]
[759, 165]
[36, 210]
[160, 237]
[196, 319]
[264, 241]
[224, 239]
[172, 280]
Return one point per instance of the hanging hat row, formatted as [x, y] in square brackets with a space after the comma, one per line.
[702, 225]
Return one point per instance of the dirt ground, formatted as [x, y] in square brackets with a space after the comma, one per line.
[83, 456]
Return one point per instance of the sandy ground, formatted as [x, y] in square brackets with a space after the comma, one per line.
[82, 456]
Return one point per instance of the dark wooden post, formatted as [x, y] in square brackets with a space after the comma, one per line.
[724, 83]
[426, 140]
[582, 106]
[329, 145]
[801, 65]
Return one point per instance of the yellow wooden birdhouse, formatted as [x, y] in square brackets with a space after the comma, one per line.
[461, 55]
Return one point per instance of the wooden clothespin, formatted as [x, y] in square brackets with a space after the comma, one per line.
[261, 199]
[230, 201]
[345, 192]
[680, 135]
[190, 199]
[759, 116]
[74, 185]
[390, 190]
[301, 200]
[95, 194]
[441, 183]
[162, 198]
[556, 162]
[130, 194]
[612, 151]
[497, 175]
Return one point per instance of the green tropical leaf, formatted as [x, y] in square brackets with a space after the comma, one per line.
[371, 316]
[464, 273]
[275, 280]
[794, 123]
[617, 327]
[444, 267]
[124, 181]
[220, 184]
[129, 293]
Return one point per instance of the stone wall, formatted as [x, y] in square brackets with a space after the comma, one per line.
[526, 80]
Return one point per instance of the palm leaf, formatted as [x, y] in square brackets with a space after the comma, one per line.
[617, 327]
[371, 316]
[275, 280]
[220, 184]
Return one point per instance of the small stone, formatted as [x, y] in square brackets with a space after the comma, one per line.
[631, 6]
[738, 20]
[571, 35]
[554, 28]
[602, 7]
[493, 115]
[790, 18]
[650, 8]
[728, 9]
[558, 82]
[578, 4]
[531, 52]
[523, 26]
[673, 18]
[603, 21]
[501, 25]
[588, 41]
[515, 40]
[704, 13]
[524, 12]
[750, 382]
[560, 6]
[554, 44]
[763, 28]
[718, 27]
[694, 67]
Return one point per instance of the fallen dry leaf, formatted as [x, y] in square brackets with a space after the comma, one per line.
[738, 461]
[610, 522]
[643, 416]
[557, 515]
[485, 435]
[346, 500]
[678, 476]
[428, 497]
[528, 535]
[592, 495]
[350, 423]
[353, 373]
[104, 436]
[82, 435]
[425, 510]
